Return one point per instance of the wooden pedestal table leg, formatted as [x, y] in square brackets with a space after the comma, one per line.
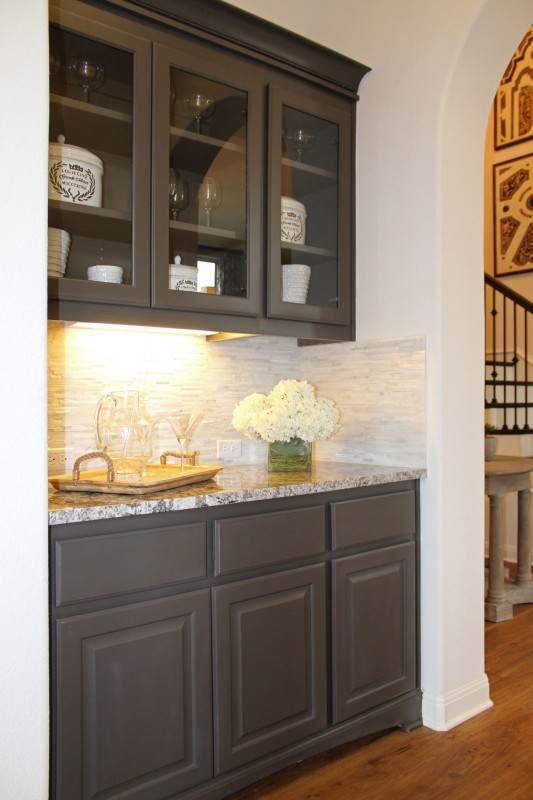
[497, 607]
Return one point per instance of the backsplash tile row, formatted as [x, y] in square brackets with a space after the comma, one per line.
[378, 386]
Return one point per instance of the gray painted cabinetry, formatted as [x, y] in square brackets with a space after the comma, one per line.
[206, 130]
[194, 652]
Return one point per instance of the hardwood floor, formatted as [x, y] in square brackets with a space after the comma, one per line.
[483, 758]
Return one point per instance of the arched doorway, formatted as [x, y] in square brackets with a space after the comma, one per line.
[455, 687]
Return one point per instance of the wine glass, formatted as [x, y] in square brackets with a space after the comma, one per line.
[210, 196]
[300, 140]
[178, 192]
[182, 422]
[87, 71]
[203, 105]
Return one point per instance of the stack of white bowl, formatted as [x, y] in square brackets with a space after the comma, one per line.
[105, 273]
[295, 282]
[58, 247]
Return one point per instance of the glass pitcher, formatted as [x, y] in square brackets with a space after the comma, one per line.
[123, 430]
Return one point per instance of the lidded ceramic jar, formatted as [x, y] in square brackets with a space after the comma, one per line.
[182, 278]
[293, 219]
[74, 174]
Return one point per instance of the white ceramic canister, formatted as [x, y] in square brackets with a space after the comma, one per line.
[293, 218]
[74, 174]
[182, 278]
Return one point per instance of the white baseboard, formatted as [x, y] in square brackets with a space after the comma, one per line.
[441, 712]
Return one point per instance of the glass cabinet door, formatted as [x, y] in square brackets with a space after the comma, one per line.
[310, 253]
[99, 163]
[207, 195]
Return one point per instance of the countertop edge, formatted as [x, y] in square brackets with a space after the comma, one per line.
[236, 484]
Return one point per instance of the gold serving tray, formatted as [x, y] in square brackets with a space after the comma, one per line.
[157, 478]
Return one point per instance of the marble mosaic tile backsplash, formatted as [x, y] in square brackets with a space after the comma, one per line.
[379, 388]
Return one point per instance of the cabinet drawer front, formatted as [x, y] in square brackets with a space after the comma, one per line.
[373, 519]
[102, 566]
[264, 539]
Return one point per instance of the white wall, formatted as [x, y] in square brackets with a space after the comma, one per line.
[422, 119]
[24, 548]
[423, 114]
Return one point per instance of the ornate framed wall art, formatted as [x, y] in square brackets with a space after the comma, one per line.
[513, 105]
[513, 216]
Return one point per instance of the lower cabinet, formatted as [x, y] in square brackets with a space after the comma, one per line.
[270, 663]
[374, 629]
[134, 700]
[195, 652]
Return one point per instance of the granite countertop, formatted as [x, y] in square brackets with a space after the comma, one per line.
[233, 484]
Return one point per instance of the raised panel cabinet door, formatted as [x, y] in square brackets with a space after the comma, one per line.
[270, 681]
[133, 700]
[374, 629]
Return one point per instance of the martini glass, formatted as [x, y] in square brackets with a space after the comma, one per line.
[203, 105]
[182, 422]
[300, 140]
[87, 71]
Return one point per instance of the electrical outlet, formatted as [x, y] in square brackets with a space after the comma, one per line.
[228, 448]
[58, 457]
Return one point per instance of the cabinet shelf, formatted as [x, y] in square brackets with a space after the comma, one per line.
[306, 249]
[309, 169]
[212, 237]
[196, 152]
[91, 221]
[90, 126]
[201, 140]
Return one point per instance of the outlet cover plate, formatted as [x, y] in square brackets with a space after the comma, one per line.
[228, 448]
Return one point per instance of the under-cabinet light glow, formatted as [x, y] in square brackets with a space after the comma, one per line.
[102, 326]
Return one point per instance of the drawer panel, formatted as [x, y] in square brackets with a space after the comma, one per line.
[102, 566]
[373, 519]
[265, 539]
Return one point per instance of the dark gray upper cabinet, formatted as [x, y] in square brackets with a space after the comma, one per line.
[310, 165]
[109, 120]
[207, 134]
[257, 145]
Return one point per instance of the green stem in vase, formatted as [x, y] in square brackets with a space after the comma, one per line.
[292, 456]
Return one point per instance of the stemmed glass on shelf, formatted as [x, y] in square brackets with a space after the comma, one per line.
[210, 196]
[178, 192]
[300, 140]
[202, 105]
[88, 71]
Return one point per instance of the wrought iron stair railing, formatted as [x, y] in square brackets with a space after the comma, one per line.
[508, 345]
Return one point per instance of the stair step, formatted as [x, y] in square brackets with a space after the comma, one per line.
[512, 431]
[510, 404]
[491, 382]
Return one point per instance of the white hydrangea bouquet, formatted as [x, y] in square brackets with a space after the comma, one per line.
[289, 419]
